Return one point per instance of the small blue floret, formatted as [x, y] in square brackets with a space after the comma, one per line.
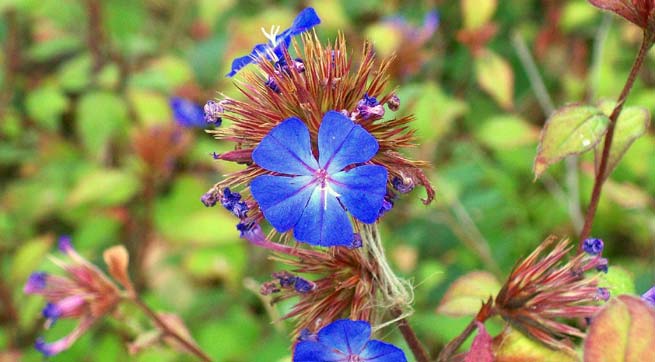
[592, 246]
[187, 113]
[305, 20]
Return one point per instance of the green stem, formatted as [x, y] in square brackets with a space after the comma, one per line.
[602, 173]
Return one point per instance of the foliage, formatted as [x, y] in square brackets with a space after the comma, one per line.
[89, 147]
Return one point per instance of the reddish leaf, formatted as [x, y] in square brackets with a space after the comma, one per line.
[624, 331]
[481, 349]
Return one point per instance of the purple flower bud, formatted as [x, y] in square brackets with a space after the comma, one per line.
[270, 83]
[232, 202]
[357, 242]
[592, 246]
[393, 103]
[603, 294]
[649, 296]
[213, 112]
[209, 199]
[403, 185]
[602, 265]
[35, 283]
[369, 108]
[303, 286]
[50, 311]
[216, 156]
[285, 278]
[387, 205]
[65, 245]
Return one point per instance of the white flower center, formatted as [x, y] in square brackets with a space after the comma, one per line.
[271, 35]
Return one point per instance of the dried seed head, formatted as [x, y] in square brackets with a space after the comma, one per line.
[545, 287]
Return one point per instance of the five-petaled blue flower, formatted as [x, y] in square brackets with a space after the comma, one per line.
[312, 196]
[305, 20]
[345, 341]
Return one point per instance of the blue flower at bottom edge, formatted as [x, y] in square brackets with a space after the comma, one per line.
[304, 21]
[346, 341]
[311, 196]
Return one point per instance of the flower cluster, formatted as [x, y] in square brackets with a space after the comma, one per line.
[85, 293]
[544, 287]
[320, 158]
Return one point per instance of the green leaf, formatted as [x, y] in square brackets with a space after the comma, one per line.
[618, 280]
[28, 258]
[622, 332]
[46, 105]
[104, 187]
[570, 130]
[100, 116]
[513, 346]
[506, 132]
[435, 110]
[75, 74]
[477, 13]
[632, 124]
[495, 77]
[466, 295]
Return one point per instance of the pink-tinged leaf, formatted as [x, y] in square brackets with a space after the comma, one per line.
[481, 349]
[495, 77]
[513, 346]
[622, 8]
[467, 294]
[632, 124]
[570, 130]
[624, 331]
[477, 13]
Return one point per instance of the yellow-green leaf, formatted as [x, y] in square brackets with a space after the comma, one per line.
[495, 77]
[466, 295]
[624, 331]
[478, 12]
[632, 124]
[570, 130]
[513, 346]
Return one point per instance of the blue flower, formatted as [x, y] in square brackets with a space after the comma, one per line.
[344, 341]
[311, 196]
[305, 20]
[187, 113]
[649, 296]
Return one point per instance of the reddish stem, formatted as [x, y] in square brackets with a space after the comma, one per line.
[419, 352]
[189, 345]
[602, 173]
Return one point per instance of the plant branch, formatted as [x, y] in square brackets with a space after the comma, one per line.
[189, 345]
[486, 311]
[601, 173]
[419, 352]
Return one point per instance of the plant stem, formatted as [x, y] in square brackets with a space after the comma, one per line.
[486, 311]
[189, 345]
[419, 352]
[601, 173]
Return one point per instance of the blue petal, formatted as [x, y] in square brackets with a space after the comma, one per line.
[362, 190]
[378, 351]
[341, 142]
[324, 221]
[347, 336]
[282, 199]
[286, 149]
[304, 21]
[241, 62]
[310, 351]
[187, 113]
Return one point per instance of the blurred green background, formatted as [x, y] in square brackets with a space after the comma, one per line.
[89, 147]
